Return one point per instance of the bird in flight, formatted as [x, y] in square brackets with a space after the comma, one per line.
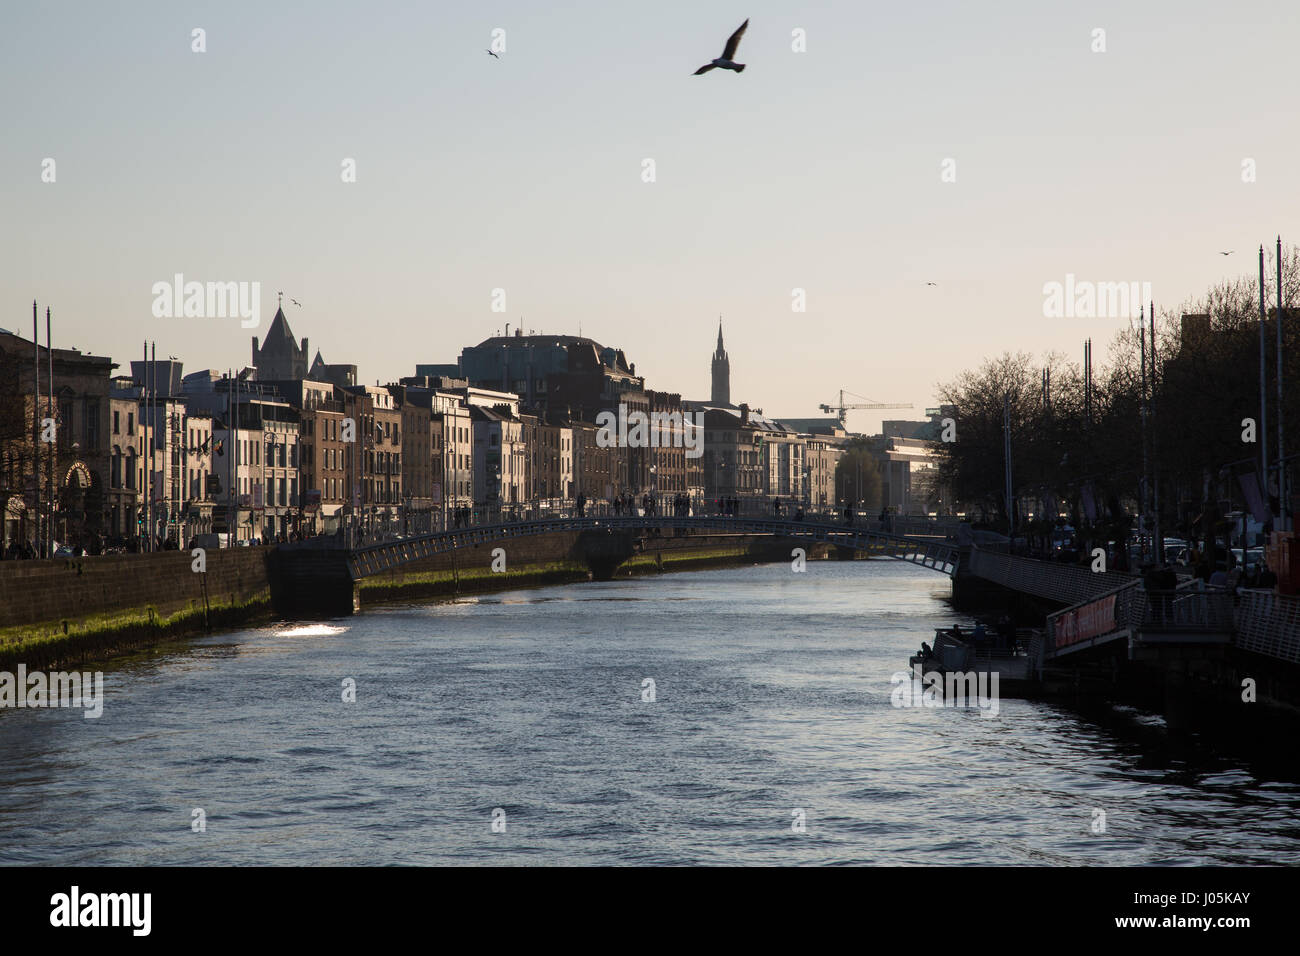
[491, 54]
[1228, 253]
[295, 302]
[725, 61]
[932, 283]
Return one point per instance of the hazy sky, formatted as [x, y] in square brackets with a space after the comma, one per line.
[817, 170]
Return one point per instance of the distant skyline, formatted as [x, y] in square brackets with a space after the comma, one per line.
[819, 170]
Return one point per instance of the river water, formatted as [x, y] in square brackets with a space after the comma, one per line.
[771, 739]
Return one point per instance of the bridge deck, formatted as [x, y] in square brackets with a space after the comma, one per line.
[934, 553]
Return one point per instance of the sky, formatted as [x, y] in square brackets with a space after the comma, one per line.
[820, 170]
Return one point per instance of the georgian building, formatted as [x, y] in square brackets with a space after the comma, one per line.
[553, 457]
[126, 451]
[72, 469]
[500, 456]
[456, 446]
[374, 460]
[420, 461]
[672, 470]
[595, 468]
[748, 456]
[197, 490]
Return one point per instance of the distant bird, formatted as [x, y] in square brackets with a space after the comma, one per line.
[932, 283]
[295, 302]
[491, 54]
[1228, 253]
[725, 61]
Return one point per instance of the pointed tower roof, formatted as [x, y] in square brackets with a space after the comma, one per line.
[279, 329]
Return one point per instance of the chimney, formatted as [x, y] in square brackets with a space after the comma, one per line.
[744, 414]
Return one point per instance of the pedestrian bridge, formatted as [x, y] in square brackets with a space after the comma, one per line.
[935, 553]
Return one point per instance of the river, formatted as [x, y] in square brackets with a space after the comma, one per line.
[771, 739]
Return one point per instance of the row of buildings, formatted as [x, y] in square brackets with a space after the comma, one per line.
[287, 446]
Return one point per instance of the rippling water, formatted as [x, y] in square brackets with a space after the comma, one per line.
[772, 695]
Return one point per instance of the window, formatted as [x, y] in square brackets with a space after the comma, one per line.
[65, 426]
[130, 423]
[117, 422]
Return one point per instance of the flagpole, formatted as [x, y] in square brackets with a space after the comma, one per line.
[148, 449]
[37, 512]
[1155, 433]
[49, 466]
[1263, 384]
[1281, 454]
[1142, 405]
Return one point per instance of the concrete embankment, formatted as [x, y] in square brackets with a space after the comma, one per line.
[64, 612]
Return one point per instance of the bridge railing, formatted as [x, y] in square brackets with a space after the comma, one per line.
[1269, 623]
[369, 557]
[1064, 583]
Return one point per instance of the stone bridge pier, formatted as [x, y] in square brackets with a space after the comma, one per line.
[604, 550]
[312, 582]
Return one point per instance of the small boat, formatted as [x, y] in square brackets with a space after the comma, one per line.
[958, 649]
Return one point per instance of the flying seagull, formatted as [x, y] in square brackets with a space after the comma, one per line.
[725, 62]
[295, 302]
[932, 283]
[491, 54]
[1228, 253]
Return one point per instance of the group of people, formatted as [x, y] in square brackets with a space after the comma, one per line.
[92, 544]
[95, 545]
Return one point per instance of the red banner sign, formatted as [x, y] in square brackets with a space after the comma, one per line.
[1084, 622]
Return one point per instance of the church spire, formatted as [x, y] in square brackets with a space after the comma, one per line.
[721, 393]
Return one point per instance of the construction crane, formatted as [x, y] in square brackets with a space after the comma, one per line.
[844, 409]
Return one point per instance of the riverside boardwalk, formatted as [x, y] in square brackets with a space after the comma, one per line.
[1108, 632]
